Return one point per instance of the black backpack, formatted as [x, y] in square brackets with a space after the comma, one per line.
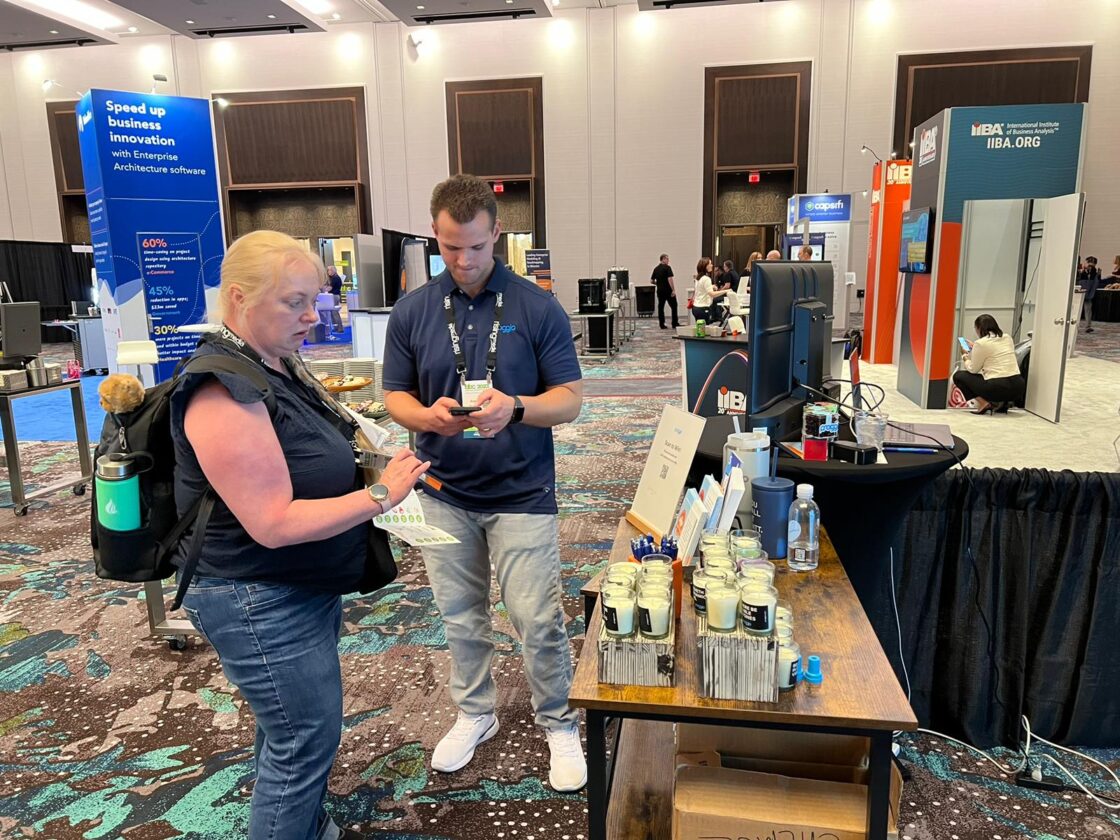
[146, 553]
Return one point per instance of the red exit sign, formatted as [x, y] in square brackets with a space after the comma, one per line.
[754, 177]
[499, 187]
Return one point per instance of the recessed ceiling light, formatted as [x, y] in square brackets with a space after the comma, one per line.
[190, 23]
[133, 29]
[509, 2]
[271, 17]
[336, 16]
[54, 31]
[420, 8]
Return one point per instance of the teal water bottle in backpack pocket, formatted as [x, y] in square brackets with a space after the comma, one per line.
[118, 489]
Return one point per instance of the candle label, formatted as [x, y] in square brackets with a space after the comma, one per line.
[756, 616]
[645, 624]
[699, 598]
[610, 618]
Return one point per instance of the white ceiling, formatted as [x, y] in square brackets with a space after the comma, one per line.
[45, 24]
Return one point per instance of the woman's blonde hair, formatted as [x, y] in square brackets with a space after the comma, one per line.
[255, 262]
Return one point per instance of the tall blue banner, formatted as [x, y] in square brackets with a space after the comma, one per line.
[155, 219]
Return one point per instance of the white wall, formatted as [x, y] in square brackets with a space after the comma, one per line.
[623, 105]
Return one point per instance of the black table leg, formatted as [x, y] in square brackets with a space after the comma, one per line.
[597, 776]
[879, 786]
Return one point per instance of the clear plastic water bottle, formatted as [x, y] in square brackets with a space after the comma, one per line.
[804, 520]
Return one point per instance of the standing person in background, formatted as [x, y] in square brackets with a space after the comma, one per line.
[705, 294]
[480, 335]
[335, 282]
[1089, 278]
[662, 278]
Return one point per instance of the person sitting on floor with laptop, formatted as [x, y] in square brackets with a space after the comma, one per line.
[991, 373]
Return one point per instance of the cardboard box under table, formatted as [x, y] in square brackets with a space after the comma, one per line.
[860, 697]
[748, 783]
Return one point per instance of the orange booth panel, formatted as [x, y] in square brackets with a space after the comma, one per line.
[884, 232]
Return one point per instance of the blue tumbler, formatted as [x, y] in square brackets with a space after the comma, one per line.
[772, 497]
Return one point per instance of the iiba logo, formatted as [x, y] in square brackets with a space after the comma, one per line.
[986, 129]
[730, 402]
[927, 146]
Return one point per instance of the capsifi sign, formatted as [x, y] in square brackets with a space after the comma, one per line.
[828, 207]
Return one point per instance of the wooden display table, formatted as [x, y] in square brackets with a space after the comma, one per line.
[860, 695]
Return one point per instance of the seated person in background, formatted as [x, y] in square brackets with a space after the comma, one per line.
[745, 277]
[805, 253]
[773, 255]
[991, 376]
[730, 276]
[1115, 268]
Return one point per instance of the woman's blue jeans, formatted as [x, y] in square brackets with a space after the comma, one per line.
[279, 645]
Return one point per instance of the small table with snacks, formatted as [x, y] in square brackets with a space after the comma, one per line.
[858, 696]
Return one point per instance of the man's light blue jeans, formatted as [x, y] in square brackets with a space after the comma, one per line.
[526, 557]
[279, 645]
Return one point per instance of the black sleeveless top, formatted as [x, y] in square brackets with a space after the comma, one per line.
[321, 465]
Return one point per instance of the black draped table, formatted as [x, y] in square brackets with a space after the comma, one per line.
[1106, 304]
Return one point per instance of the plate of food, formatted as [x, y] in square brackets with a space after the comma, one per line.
[372, 409]
[340, 384]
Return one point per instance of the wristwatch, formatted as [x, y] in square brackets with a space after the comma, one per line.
[518, 411]
[380, 494]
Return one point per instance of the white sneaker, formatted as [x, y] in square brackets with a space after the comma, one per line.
[568, 768]
[456, 748]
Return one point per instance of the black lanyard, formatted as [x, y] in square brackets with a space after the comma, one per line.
[298, 374]
[456, 345]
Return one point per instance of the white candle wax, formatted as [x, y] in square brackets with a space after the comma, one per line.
[783, 615]
[654, 613]
[723, 608]
[618, 615]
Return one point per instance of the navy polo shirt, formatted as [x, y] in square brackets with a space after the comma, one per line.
[513, 472]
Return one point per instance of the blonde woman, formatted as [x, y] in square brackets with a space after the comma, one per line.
[289, 530]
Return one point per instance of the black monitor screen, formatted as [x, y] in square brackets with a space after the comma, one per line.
[19, 323]
[776, 287]
[916, 241]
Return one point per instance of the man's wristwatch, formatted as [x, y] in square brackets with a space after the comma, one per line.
[380, 494]
[518, 411]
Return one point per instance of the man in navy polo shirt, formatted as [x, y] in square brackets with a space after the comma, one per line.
[479, 335]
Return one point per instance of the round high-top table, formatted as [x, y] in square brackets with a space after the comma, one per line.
[863, 507]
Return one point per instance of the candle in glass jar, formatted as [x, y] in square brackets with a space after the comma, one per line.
[761, 571]
[701, 579]
[757, 609]
[621, 578]
[723, 607]
[654, 610]
[783, 615]
[722, 563]
[619, 607]
[789, 664]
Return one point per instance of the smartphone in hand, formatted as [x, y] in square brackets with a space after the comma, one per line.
[463, 410]
[965, 346]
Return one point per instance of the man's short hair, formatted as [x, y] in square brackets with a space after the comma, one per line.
[463, 196]
[773, 255]
[728, 265]
[805, 249]
[1092, 260]
[663, 257]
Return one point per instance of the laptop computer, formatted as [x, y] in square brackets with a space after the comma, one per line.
[918, 435]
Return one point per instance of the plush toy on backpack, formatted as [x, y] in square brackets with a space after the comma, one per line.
[121, 393]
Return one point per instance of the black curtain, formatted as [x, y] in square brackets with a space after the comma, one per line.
[1029, 623]
[49, 272]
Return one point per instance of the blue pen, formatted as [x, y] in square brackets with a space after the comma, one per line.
[911, 449]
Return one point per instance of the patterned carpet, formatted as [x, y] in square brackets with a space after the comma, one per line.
[105, 733]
